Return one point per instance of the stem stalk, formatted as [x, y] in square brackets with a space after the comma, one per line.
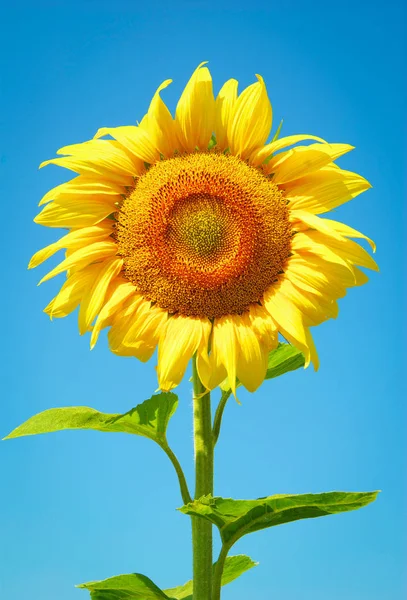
[202, 529]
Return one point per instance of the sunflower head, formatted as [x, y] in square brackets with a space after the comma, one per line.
[195, 235]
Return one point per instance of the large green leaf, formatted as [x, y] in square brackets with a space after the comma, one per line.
[149, 419]
[125, 587]
[234, 567]
[235, 518]
[283, 359]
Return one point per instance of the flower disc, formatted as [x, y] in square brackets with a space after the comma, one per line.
[204, 234]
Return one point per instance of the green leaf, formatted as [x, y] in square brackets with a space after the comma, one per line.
[283, 359]
[234, 567]
[181, 592]
[235, 518]
[124, 587]
[137, 586]
[149, 419]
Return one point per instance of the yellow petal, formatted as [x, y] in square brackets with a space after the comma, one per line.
[304, 243]
[98, 158]
[71, 293]
[224, 105]
[136, 328]
[314, 310]
[71, 213]
[330, 228]
[318, 276]
[225, 347]
[301, 160]
[212, 366]
[181, 339]
[345, 231]
[210, 373]
[144, 331]
[75, 239]
[252, 357]
[324, 190]
[160, 125]
[135, 139]
[84, 186]
[143, 123]
[289, 320]
[250, 120]
[119, 291]
[360, 277]
[95, 295]
[195, 112]
[312, 349]
[122, 321]
[261, 154]
[84, 256]
[264, 327]
[346, 249]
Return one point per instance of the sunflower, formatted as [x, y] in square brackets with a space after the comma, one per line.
[195, 235]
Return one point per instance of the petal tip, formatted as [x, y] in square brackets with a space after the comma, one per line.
[164, 84]
[45, 278]
[101, 132]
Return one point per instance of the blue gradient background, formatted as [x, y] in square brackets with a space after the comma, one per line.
[78, 506]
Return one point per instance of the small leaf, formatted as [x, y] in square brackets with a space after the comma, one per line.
[283, 359]
[234, 567]
[149, 419]
[235, 518]
[124, 587]
[181, 592]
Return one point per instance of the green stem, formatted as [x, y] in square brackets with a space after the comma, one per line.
[218, 571]
[186, 497]
[202, 529]
[219, 414]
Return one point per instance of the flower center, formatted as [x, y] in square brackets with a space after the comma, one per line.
[197, 227]
[204, 234]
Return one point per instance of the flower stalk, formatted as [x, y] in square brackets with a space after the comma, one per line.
[203, 447]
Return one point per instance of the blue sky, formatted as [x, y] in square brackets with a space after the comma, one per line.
[78, 506]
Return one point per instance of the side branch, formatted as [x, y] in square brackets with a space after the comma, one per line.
[186, 496]
[217, 421]
[218, 572]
